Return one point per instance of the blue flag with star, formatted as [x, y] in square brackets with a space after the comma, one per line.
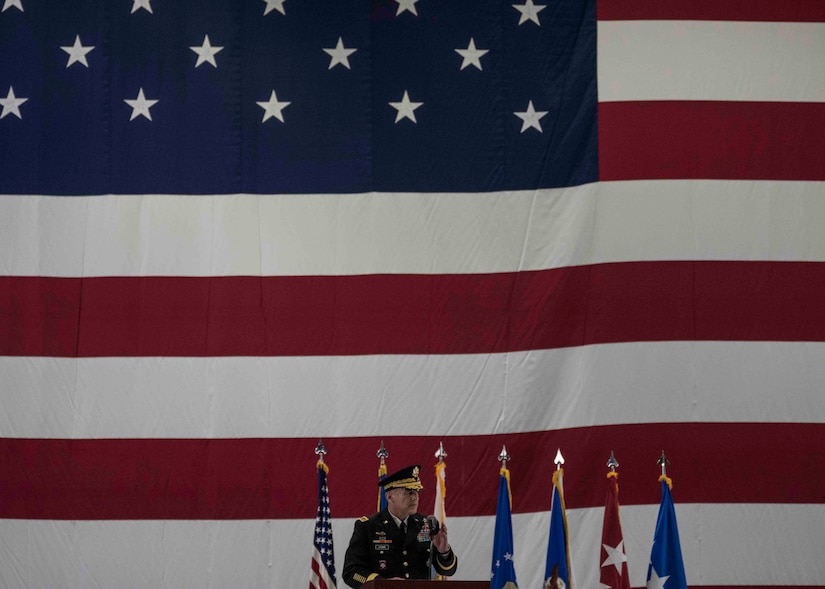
[558, 549]
[503, 574]
[666, 569]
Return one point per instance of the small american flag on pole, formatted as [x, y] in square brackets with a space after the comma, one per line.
[323, 554]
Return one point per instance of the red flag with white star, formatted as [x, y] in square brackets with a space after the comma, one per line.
[613, 560]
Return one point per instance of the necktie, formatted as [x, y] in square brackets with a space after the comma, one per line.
[404, 529]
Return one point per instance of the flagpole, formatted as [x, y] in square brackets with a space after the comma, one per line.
[666, 564]
[613, 572]
[558, 571]
[439, 510]
[612, 463]
[320, 450]
[503, 571]
[382, 454]
[322, 571]
[440, 489]
[663, 462]
[503, 457]
[440, 453]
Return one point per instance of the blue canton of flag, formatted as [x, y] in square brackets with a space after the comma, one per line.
[558, 557]
[666, 569]
[198, 97]
[503, 575]
[323, 555]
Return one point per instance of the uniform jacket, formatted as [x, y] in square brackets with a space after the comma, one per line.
[377, 549]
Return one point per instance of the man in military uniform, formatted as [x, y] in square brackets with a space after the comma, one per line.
[396, 542]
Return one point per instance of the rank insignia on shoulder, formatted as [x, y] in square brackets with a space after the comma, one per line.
[363, 518]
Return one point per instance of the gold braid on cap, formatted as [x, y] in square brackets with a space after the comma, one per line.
[412, 482]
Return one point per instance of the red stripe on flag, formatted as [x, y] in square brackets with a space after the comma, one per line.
[732, 10]
[257, 478]
[316, 579]
[711, 140]
[413, 314]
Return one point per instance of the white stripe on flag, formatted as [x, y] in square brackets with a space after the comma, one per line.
[234, 397]
[711, 60]
[383, 233]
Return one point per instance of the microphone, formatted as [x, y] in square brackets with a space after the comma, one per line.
[433, 524]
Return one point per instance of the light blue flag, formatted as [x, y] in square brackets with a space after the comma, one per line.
[558, 556]
[382, 494]
[382, 474]
[503, 574]
[666, 569]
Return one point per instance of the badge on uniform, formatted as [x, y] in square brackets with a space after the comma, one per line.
[382, 565]
[424, 534]
[382, 544]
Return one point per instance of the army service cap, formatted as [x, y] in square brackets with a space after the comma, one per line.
[406, 478]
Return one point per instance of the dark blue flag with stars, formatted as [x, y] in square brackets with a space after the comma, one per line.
[323, 554]
[503, 575]
[558, 544]
[666, 569]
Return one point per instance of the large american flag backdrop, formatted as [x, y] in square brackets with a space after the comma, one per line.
[229, 229]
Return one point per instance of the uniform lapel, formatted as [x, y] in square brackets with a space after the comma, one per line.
[388, 525]
[412, 530]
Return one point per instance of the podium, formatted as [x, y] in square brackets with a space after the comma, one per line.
[424, 584]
